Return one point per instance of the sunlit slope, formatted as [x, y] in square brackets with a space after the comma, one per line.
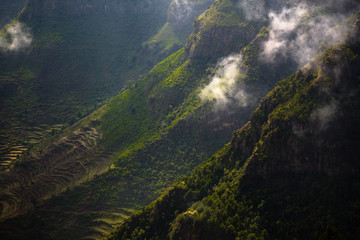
[156, 132]
[81, 55]
[147, 137]
[290, 172]
[179, 24]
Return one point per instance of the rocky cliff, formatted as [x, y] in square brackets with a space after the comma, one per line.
[182, 111]
[290, 172]
[219, 31]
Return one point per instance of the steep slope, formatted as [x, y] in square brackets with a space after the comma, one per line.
[291, 172]
[179, 25]
[149, 130]
[61, 60]
[9, 9]
[154, 132]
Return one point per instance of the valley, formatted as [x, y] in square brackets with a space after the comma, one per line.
[116, 117]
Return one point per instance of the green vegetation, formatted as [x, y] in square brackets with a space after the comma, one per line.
[221, 13]
[165, 38]
[155, 132]
[289, 173]
[78, 60]
[85, 179]
[173, 35]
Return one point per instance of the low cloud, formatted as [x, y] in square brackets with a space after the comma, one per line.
[14, 37]
[180, 9]
[296, 33]
[320, 118]
[223, 87]
[324, 115]
[253, 9]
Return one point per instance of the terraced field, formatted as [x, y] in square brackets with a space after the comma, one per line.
[43, 173]
[105, 222]
[12, 149]
[20, 131]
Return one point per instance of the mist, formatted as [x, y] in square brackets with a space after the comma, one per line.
[297, 32]
[253, 9]
[223, 87]
[181, 9]
[324, 115]
[14, 37]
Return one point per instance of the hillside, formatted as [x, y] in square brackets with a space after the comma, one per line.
[161, 121]
[290, 172]
[64, 59]
[9, 9]
[173, 35]
[85, 179]
[144, 124]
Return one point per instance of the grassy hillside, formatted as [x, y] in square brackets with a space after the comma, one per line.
[85, 180]
[179, 25]
[155, 132]
[290, 172]
[79, 57]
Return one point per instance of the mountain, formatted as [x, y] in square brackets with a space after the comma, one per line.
[9, 9]
[64, 59]
[88, 177]
[290, 172]
[35, 97]
[179, 24]
[156, 132]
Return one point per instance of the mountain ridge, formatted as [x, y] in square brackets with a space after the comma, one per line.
[247, 190]
[155, 132]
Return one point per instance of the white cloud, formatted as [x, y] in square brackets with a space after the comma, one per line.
[324, 115]
[180, 9]
[296, 33]
[15, 36]
[223, 87]
[253, 9]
